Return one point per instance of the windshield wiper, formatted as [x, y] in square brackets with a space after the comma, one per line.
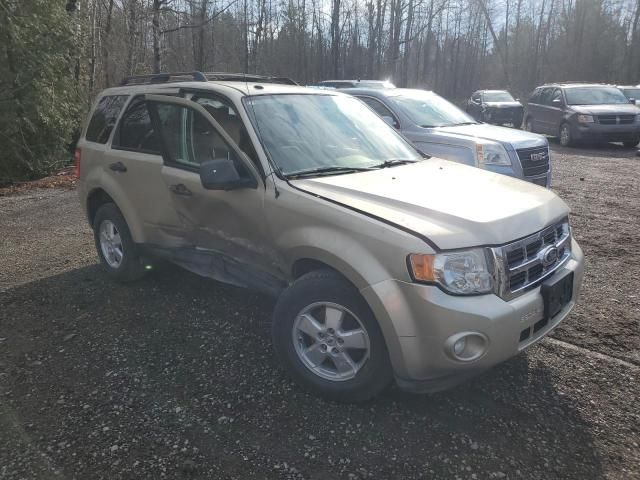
[327, 171]
[463, 123]
[394, 162]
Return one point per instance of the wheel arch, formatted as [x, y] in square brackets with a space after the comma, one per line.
[102, 194]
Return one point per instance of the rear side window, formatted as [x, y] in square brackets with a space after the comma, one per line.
[136, 131]
[104, 118]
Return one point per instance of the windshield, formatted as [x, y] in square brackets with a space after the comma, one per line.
[594, 96]
[632, 93]
[497, 97]
[427, 109]
[303, 132]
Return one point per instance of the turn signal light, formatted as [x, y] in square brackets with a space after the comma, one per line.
[422, 267]
[77, 156]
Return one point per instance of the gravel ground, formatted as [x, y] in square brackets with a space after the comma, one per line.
[173, 377]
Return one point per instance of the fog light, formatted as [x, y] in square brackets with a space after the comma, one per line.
[458, 347]
[466, 346]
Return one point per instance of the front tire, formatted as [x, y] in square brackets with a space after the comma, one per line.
[565, 137]
[328, 339]
[116, 249]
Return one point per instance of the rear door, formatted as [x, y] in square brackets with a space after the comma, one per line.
[555, 112]
[224, 232]
[544, 116]
[534, 110]
[134, 163]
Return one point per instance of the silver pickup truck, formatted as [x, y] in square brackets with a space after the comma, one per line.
[439, 128]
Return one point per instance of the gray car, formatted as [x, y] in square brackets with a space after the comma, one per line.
[576, 112]
[439, 128]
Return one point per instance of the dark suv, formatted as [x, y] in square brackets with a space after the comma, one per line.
[580, 111]
[495, 106]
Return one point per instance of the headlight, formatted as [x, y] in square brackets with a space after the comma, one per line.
[585, 118]
[492, 154]
[462, 272]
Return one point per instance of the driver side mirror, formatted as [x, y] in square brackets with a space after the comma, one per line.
[633, 101]
[556, 101]
[221, 174]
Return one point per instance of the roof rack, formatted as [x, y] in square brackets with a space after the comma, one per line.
[164, 78]
[203, 77]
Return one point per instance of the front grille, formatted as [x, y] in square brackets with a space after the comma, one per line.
[534, 161]
[525, 263]
[616, 119]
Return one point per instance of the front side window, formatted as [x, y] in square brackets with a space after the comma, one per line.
[594, 96]
[227, 116]
[190, 139]
[427, 109]
[498, 97]
[380, 109]
[136, 131]
[632, 93]
[303, 132]
[545, 96]
[556, 97]
[104, 118]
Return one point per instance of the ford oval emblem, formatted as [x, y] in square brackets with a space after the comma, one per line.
[549, 256]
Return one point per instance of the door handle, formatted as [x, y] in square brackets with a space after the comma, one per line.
[180, 189]
[118, 167]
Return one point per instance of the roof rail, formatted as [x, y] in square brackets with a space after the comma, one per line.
[164, 78]
[247, 77]
[203, 77]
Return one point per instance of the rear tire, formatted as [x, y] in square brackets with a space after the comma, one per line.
[632, 143]
[564, 135]
[328, 339]
[117, 251]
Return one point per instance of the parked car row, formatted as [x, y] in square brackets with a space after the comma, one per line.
[387, 264]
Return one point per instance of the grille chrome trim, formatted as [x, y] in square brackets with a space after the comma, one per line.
[535, 161]
[527, 269]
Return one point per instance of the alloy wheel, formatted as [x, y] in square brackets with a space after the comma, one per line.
[111, 244]
[330, 341]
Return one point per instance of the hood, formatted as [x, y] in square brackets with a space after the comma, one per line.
[453, 205]
[615, 109]
[484, 131]
[502, 104]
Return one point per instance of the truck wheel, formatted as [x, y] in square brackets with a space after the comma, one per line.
[565, 135]
[328, 339]
[632, 143]
[116, 249]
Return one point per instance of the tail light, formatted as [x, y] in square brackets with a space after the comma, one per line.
[76, 161]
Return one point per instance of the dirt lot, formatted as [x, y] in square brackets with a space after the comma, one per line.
[173, 377]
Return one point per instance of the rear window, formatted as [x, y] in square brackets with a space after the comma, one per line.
[136, 130]
[104, 118]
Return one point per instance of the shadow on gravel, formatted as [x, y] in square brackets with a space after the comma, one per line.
[174, 376]
[610, 151]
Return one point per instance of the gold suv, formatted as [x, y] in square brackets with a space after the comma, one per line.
[386, 264]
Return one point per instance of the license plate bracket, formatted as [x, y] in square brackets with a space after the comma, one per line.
[557, 292]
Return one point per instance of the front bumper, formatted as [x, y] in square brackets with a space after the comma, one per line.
[504, 115]
[606, 133]
[418, 319]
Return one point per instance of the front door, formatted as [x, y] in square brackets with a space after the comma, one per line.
[225, 236]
